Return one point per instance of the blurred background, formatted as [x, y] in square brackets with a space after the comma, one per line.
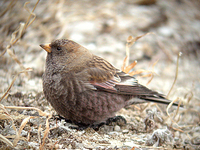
[103, 27]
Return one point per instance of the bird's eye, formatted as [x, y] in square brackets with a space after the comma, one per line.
[59, 48]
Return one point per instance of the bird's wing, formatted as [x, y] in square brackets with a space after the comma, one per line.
[98, 79]
[101, 75]
[120, 83]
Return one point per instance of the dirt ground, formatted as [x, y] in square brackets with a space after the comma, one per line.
[27, 121]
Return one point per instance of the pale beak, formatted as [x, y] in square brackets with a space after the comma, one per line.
[46, 47]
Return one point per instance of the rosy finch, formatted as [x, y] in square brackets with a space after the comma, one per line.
[85, 88]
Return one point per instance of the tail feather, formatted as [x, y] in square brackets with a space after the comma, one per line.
[160, 100]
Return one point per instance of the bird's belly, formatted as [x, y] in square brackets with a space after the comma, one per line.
[97, 106]
[87, 107]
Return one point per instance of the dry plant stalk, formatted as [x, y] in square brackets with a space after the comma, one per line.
[130, 41]
[167, 110]
[24, 122]
[24, 71]
[8, 115]
[127, 68]
[151, 73]
[176, 75]
[39, 131]
[45, 132]
[12, 122]
[142, 108]
[10, 6]
[17, 34]
[5, 140]
[14, 57]
[41, 113]
[190, 95]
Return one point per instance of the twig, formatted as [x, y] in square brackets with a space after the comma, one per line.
[169, 106]
[24, 122]
[12, 121]
[45, 132]
[152, 72]
[12, 3]
[39, 132]
[5, 140]
[26, 70]
[41, 113]
[130, 41]
[176, 75]
[28, 22]
[17, 34]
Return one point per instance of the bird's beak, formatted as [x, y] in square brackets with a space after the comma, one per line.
[46, 47]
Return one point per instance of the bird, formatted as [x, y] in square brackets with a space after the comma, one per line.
[87, 89]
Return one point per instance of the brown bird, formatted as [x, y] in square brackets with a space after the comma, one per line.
[85, 88]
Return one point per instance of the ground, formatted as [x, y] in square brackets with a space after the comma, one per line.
[27, 121]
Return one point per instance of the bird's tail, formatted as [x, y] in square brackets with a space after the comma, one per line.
[161, 100]
[154, 98]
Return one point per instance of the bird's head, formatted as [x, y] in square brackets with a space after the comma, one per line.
[65, 52]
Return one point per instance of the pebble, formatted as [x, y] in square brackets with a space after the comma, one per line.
[117, 128]
[125, 131]
[165, 31]
[114, 132]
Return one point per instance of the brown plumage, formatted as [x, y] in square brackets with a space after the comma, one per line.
[86, 88]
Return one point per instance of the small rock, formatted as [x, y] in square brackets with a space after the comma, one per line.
[165, 31]
[114, 132]
[125, 131]
[117, 128]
